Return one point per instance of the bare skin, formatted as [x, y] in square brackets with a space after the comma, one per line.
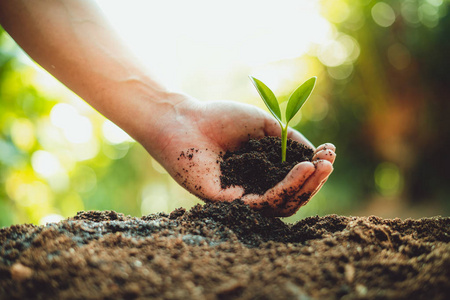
[73, 41]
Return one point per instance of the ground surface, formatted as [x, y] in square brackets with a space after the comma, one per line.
[226, 251]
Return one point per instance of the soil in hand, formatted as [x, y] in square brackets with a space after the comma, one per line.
[257, 165]
[225, 251]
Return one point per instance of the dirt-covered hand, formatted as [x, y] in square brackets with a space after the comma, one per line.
[299, 186]
[194, 136]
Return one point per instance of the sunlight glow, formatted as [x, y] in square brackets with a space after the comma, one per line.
[339, 51]
[276, 76]
[155, 198]
[35, 195]
[77, 128]
[45, 163]
[59, 182]
[85, 151]
[215, 37]
[383, 14]
[22, 134]
[50, 218]
[336, 11]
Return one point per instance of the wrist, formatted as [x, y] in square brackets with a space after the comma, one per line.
[160, 116]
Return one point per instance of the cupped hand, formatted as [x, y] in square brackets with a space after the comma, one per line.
[194, 135]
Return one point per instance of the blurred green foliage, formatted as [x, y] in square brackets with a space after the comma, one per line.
[382, 98]
[388, 109]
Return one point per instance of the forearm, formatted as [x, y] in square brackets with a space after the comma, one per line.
[73, 41]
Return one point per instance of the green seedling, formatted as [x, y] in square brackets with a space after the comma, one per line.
[295, 102]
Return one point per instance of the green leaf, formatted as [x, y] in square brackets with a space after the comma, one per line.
[299, 97]
[268, 97]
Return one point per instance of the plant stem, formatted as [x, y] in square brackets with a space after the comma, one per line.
[283, 142]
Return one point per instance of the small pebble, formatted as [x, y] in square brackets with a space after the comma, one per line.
[20, 272]
[361, 289]
[349, 273]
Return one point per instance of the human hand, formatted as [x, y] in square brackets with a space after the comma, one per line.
[194, 134]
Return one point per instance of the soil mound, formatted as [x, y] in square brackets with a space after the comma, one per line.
[225, 251]
[257, 165]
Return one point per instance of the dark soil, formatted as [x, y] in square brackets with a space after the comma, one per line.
[257, 165]
[225, 251]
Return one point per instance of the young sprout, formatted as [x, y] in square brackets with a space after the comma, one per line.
[295, 102]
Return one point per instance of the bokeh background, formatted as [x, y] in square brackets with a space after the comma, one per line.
[383, 98]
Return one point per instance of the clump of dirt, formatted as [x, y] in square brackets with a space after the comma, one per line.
[225, 251]
[257, 166]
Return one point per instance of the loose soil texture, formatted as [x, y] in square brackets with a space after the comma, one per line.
[225, 251]
[257, 166]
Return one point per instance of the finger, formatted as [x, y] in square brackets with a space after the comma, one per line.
[289, 186]
[319, 187]
[323, 170]
[293, 204]
[311, 186]
[326, 154]
[325, 146]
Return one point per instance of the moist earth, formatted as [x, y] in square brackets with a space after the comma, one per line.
[225, 251]
[257, 166]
